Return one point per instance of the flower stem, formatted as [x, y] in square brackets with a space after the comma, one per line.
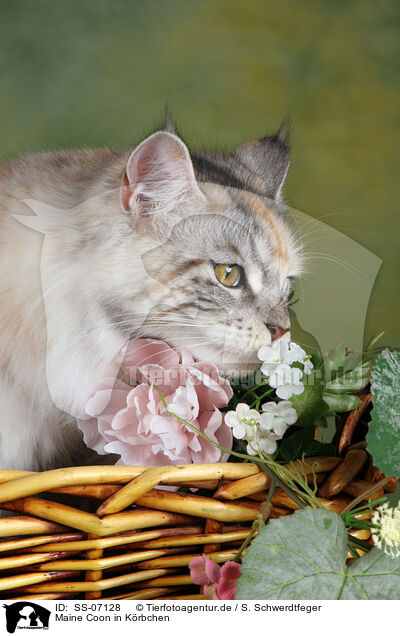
[197, 431]
[253, 531]
[253, 390]
[262, 518]
[359, 543]
[353, 551]
[256, 402]
[350, 518]
[266, 463]
[281, 483]
[379, 484]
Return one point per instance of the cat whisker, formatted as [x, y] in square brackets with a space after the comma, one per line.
[334, 259]
[135, 324]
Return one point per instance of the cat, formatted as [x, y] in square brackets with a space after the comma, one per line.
[100, 245]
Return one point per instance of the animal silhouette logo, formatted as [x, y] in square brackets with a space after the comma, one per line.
[25, 615]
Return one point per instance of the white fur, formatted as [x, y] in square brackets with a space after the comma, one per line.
[66, 246]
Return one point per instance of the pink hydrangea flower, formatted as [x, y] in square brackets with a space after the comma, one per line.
[132, 421]
[217, 582]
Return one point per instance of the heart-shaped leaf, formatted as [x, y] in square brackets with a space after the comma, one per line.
[375, 576]
[303, 556]
[384, 431]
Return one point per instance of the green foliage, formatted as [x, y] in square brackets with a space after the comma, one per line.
[346, 372]
[303, 556]
[302, 443]
[375, 576]
[384, 431]
[331, 386]
[341, 403]
[309, 405]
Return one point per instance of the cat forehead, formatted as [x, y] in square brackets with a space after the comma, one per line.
[262, 233]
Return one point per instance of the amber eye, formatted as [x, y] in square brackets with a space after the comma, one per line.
[228, 275]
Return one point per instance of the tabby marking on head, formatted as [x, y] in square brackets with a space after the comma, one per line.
[192, 249]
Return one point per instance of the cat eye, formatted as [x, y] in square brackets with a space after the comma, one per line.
[228, 275]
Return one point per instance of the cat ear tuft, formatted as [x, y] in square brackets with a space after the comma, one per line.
[283, 134]
[267, 161]
[159, 177]
[168, 124]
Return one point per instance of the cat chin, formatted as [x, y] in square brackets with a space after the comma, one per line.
[241, 373]
[235, 368]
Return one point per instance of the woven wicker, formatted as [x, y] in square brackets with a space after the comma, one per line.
[137, 540]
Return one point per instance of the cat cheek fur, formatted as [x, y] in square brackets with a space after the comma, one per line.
[75, 284]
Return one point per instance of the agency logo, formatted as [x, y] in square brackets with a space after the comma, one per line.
[25, 615]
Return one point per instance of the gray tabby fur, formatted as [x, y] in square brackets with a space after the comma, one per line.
[97, 246]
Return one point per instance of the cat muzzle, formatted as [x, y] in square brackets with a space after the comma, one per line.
[276, 332]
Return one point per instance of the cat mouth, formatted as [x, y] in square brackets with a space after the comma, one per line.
[231, 364]
[233, 367]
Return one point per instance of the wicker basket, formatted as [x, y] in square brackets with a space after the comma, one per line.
[52, 550]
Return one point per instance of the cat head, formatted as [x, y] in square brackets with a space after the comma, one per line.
[216, 245]
[193, 249]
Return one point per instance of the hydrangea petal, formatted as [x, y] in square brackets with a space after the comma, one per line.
[226, 586]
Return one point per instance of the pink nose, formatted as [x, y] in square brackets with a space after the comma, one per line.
[276, 332]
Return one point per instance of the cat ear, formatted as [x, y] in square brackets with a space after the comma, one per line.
[267, 161]
[159, 177]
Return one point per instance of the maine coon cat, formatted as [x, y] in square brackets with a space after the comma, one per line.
[99, 245]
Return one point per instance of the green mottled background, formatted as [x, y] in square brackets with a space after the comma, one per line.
[93, 72]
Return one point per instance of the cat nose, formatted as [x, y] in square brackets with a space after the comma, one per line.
[276, 332]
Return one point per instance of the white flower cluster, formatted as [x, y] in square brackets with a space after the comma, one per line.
[261, 430]
[276, 365]
[386, 534]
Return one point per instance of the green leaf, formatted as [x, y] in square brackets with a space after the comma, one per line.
[352, 380]
[330, 387]
[345, 371]
[341, 402]
[303, 556]
[303, 443]
[373, 341]
[309, 404]
[305, 338]
[334, 360]
[384, 430]
[375, 576]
